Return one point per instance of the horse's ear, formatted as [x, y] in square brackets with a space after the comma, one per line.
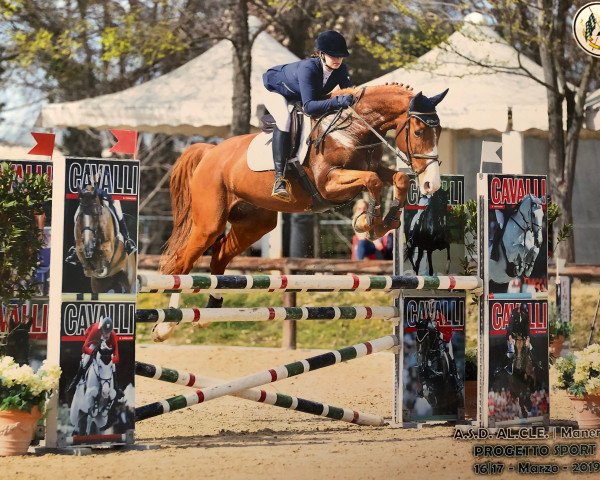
[439, 97]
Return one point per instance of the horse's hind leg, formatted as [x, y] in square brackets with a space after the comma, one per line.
[248, 224]
[209, 223]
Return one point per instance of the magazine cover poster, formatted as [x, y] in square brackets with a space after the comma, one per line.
[517, 234]
[24, 326]
[434, 358]
[433, 238]
[100, 229]
[24, 331]
[518, 362]
[96, 390]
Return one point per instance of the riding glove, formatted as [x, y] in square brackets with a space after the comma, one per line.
[345, 101]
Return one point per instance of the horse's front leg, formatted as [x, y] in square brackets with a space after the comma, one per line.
[340, 181]
[400, 182]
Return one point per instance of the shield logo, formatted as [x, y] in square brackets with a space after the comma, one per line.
[586, 28]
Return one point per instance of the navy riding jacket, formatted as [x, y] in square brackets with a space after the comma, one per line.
[303, 81]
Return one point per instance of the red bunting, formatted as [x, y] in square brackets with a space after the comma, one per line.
[126, 142]
[44, 144]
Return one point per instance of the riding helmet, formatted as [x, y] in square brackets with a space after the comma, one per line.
[332, 43]
[106, 325]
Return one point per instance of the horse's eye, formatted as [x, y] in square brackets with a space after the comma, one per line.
[419, 133]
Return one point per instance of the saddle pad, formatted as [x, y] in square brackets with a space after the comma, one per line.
[260, 152]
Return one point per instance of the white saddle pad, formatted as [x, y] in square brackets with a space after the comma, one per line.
[260, 151]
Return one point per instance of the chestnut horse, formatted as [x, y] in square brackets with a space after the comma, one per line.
[212, 185]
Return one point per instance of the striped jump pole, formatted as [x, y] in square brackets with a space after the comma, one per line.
[261, 396]
[208, 315]
[300, 283]
[267, 376]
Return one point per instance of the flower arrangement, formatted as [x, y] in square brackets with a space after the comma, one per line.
[23, 389]
[579, 373]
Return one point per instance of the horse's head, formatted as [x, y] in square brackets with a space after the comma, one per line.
[417, 135]
[536, 217]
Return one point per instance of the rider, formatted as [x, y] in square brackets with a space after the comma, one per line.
[446, 332]
[96, 334]
[306, 81]
[518, 327]
[115, 207]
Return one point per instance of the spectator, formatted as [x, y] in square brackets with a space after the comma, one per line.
[363, 248]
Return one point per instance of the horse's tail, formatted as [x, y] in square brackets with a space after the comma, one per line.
[181, 202]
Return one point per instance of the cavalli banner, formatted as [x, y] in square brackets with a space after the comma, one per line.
[513, 333]
[95, 256]
[433, 358]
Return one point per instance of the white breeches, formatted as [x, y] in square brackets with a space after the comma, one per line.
[278, 106]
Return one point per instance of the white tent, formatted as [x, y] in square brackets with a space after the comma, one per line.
[195, 98]
[481, 93]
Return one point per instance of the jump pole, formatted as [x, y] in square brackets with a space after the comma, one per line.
[267, 376]
[261, 396]
[199, 283]
[204, 316]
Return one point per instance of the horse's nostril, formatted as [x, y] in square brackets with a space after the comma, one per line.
[427, 186]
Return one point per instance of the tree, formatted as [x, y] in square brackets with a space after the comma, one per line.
[539, 29]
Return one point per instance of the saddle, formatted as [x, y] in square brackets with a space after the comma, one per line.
[297, 154]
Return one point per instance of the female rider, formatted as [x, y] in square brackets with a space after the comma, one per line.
[307, 81]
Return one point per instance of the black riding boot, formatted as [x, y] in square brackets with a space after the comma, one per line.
[78, 376]
[281, 149]
[130, 246]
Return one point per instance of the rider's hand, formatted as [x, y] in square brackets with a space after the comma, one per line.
[345, 101]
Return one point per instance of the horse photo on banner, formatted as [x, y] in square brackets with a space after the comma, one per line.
[100, 227]
[433, 363]
[517, 234]
[433, 240]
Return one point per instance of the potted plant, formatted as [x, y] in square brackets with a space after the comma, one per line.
[23, 396]
[471, 383]
[22, 203]
[558, 332]
[579, 375]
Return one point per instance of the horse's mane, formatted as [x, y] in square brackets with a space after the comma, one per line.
[393, 87]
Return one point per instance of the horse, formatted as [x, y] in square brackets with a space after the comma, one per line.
[95, 394]
[212, 185]
[428, 231]
[434, 370]
[99, 249]
[517, 241]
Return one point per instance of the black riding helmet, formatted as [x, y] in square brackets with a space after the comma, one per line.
[106, 325]
[332, 43]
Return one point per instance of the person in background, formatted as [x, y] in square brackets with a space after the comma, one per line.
[363, 248]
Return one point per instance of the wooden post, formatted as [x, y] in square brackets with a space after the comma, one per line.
[288, 340]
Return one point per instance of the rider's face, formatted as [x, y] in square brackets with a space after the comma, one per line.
[105, 336]
[332, 62]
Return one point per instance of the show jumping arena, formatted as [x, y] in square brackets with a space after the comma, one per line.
[231, 438]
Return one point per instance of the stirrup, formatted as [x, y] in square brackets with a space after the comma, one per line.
[282, 193]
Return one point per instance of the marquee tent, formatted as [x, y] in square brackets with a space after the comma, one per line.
[192, 99]
[486, 77]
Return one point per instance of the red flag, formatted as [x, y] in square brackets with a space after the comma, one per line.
[126, 142]
[44, 144]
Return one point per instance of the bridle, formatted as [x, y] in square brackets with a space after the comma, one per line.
[529, 225]
[406, 158]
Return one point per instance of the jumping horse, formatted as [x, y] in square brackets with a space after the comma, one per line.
[99, 249]
[212, 185]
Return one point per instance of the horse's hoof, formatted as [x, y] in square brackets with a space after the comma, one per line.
[161, 331]
[361, 223]
[214, 302]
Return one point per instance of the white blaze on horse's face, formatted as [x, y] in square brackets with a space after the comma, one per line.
[430, 180]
